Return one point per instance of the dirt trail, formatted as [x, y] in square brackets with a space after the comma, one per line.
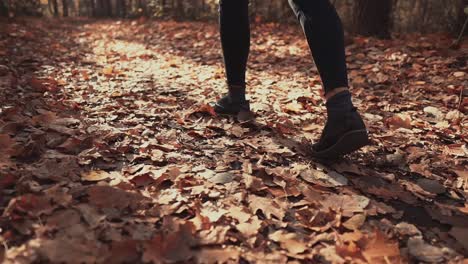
[111, 154]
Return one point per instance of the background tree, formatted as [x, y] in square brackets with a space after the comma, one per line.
[65, 8]
[92, 8]
[179, 10]
[99, 8]
[373, 18]
[366, 17]
[3, 8]
[53, 7]
[142, 7]
[107, 8]
[121, 8]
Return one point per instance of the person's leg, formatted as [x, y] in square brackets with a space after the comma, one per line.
[235, 38]
[235, 41]
[324, 33]
[345, 131]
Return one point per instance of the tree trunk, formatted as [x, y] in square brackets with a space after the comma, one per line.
[461, 18]
[92, 7]
[107, 8]
[100, 8]
[54, 7]
[373, 18]
[141, 7]
[121, 8]
[180, 10]
[65, 8]
[3, 9]
[163, 7]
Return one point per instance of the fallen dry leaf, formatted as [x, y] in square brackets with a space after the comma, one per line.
[95, 175]
[355, 222]
[399, 121]
[172, 247]
[424, 252]
[347, 204]
[381, 250]
[326, 179]
[268, 206]
[289, 241]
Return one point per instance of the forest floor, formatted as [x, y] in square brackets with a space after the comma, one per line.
[110, 153]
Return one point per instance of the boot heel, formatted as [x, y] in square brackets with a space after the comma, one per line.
[348, 143]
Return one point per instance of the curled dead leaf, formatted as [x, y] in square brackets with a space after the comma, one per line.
[203, 109]
[399, 121]
[294, 107]
[98, 175]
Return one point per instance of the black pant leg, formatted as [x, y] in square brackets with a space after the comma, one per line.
[235, 38]
[324, 32]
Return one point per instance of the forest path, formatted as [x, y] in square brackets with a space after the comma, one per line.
[110, 152]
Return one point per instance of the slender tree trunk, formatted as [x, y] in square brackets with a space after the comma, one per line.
[54, 7]
[179, 9]
[108, 8]
[163, 7]
[92, 7]
[373, 18]
[3, 9]
[65, 8]
[100, 8]
[461, 18]
[120, 8]
[142, 7]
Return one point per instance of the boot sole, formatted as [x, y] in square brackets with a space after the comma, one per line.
[348, 143]
[220, 110]
[242, 116]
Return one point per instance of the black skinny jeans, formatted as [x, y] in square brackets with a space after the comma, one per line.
[322, 27]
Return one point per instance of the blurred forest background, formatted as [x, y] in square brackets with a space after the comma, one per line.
[366, 17]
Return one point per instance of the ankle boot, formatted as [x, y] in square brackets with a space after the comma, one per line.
[234, 102]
